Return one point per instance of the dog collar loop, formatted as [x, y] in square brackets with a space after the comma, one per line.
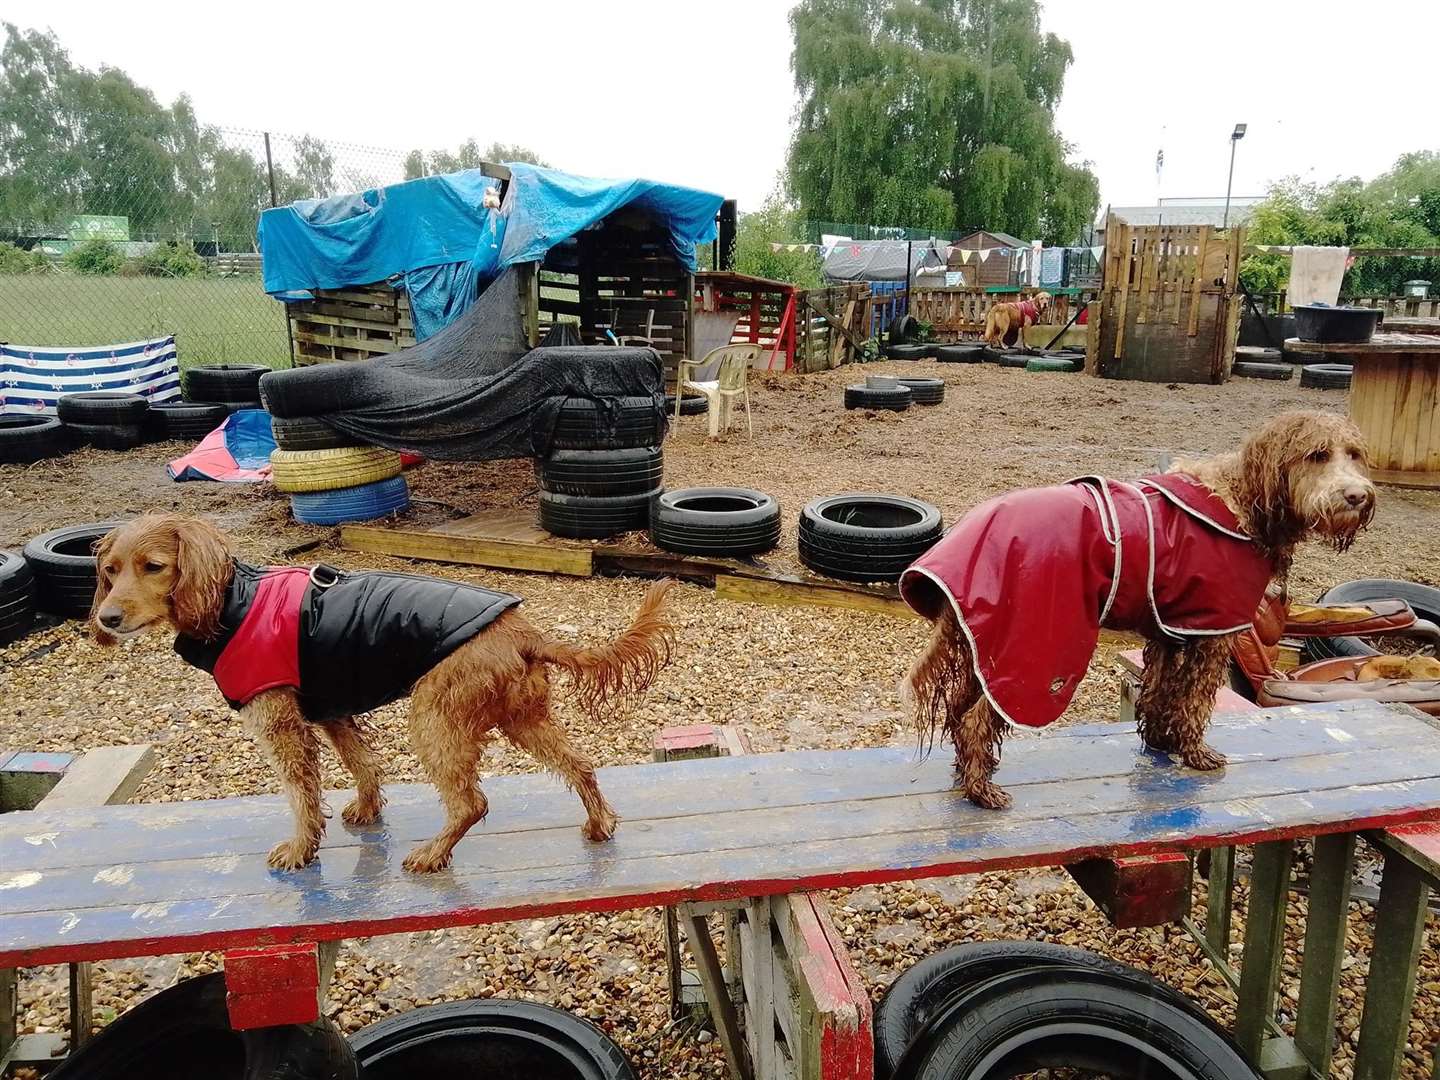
[323, 575]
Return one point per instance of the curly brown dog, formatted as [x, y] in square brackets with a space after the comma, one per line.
[300, 651]
[1019, 589]
[1005, 323]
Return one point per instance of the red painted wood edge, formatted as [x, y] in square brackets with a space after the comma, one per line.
[1424, 838]
[847, 1042]
[711, 891]
[1148, 890]
[274, 984]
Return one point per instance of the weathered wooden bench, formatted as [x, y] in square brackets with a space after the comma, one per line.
[724, 833]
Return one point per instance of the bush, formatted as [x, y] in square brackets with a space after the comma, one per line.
[16, 260]
[95, 257]
[169, 259]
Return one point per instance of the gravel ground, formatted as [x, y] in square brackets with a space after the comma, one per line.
[826, 681]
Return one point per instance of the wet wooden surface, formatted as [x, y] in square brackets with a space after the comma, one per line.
[90, 884]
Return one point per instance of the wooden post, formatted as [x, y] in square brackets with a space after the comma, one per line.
[1264, 944]
[1330, 876]
[1390, 989]
[1221, 889]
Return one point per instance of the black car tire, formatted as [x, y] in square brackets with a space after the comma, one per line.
[1258, 354]
[230, 384]
[184, 1031]
[960, 354]
[592, 517]
[925, 988]
[866, 537]
[895, 398]
[1248, 369]
[63, 562]
[622, 423]
[168, 420]
[103, 407]
[715, 521]
[107, 436]
[690, 405]
[1015, 359]
[903, 330]
[633, 471]
[494, 1037]
[907, 352]
[25, 440]
[1424, 600]
[925, 391]
[17, 597]
[1057, 1017]
[307, 433]
[1326, 376]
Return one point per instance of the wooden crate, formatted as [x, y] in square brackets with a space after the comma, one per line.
[355, 323]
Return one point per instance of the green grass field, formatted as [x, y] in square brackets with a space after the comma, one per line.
[214, 320]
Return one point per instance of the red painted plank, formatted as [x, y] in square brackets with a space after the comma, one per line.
[275, 984]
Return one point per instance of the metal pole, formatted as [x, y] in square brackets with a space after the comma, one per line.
[1225, 222]
[909, 262]
[274, 202]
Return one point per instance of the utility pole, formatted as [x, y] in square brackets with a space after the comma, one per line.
[1235, 137]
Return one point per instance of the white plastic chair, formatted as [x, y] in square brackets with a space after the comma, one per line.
[729, 380]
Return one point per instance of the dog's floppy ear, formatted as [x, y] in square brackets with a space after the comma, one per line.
[102, 587]
[204, 565]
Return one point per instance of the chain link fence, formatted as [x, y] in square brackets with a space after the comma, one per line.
[159, 238]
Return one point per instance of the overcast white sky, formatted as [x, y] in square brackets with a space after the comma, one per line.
[699, 92]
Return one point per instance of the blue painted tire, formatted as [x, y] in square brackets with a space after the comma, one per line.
[363, 503]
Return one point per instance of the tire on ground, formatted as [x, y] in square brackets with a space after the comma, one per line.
[107, 436]
[17, 597]
[1047, 1017]
[690, 405]
[25, 440]
[183, 420]
[865, 536]
[903, 330]
[184, 1031]
[63, 562]
[925, 391]
[895, 398]
[715, 521]
[1326, 376]
[1053, 363]
[365, 502]
[925, 988]
[494, 1037]
[601, 472]
[583, 424]
[103, 407]
[1423, 599]
[960, 354]
[907, 352]
[1015, 359]
[328, 470]
[593, 517]
[1247, 369]
[308, 433]
[227, 383]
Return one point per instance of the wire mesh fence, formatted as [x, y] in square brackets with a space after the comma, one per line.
[147, 237]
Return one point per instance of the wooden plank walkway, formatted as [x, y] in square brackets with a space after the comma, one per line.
[91, 884]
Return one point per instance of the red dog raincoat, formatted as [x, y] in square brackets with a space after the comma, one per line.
[1034, 574]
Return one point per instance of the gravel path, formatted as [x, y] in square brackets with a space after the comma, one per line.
[811, 679]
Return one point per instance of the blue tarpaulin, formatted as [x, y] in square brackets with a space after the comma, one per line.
[439, 236]
[238, 451]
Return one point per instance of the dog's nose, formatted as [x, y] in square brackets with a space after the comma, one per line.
[1356, 495]
[111, 620]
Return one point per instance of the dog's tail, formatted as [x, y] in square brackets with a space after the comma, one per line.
[610, 677]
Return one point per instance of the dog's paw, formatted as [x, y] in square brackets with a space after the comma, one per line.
[361, 811]
[987, 796]
[1203, 757]
[601, 828]
[427, 859]
[292, 854]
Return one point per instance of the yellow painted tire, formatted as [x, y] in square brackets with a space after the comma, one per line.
[330, 470]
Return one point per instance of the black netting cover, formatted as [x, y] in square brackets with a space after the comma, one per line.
[472, 392]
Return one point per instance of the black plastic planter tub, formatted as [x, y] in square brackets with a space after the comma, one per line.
[494, 1038]
[1326, 325]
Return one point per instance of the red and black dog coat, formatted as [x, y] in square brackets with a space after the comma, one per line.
[346, 643]
[1033, 575]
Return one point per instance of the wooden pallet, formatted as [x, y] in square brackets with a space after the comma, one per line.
[357, 323]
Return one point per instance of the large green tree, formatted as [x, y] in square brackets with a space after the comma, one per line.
[934, 114]
[1399, 208]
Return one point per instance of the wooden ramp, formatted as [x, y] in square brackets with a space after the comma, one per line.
[510, 540]
[91, 884]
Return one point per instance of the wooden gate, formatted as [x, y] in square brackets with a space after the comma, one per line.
[831, 326]
[1169, 308]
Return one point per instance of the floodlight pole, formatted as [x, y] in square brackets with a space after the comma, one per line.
[1235, 137]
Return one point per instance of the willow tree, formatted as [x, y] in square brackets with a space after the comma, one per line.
[934, 114]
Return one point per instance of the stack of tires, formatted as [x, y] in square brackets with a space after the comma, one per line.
[104, 419]
[17, 597]
[235, 386]
[719, 521]
[62, 565]
[604, 469]
[866, 536]
[330, 478]
[168, 421]
[879, 392]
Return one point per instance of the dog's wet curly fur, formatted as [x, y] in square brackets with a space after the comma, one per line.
[165, 570]
[1302, 475]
